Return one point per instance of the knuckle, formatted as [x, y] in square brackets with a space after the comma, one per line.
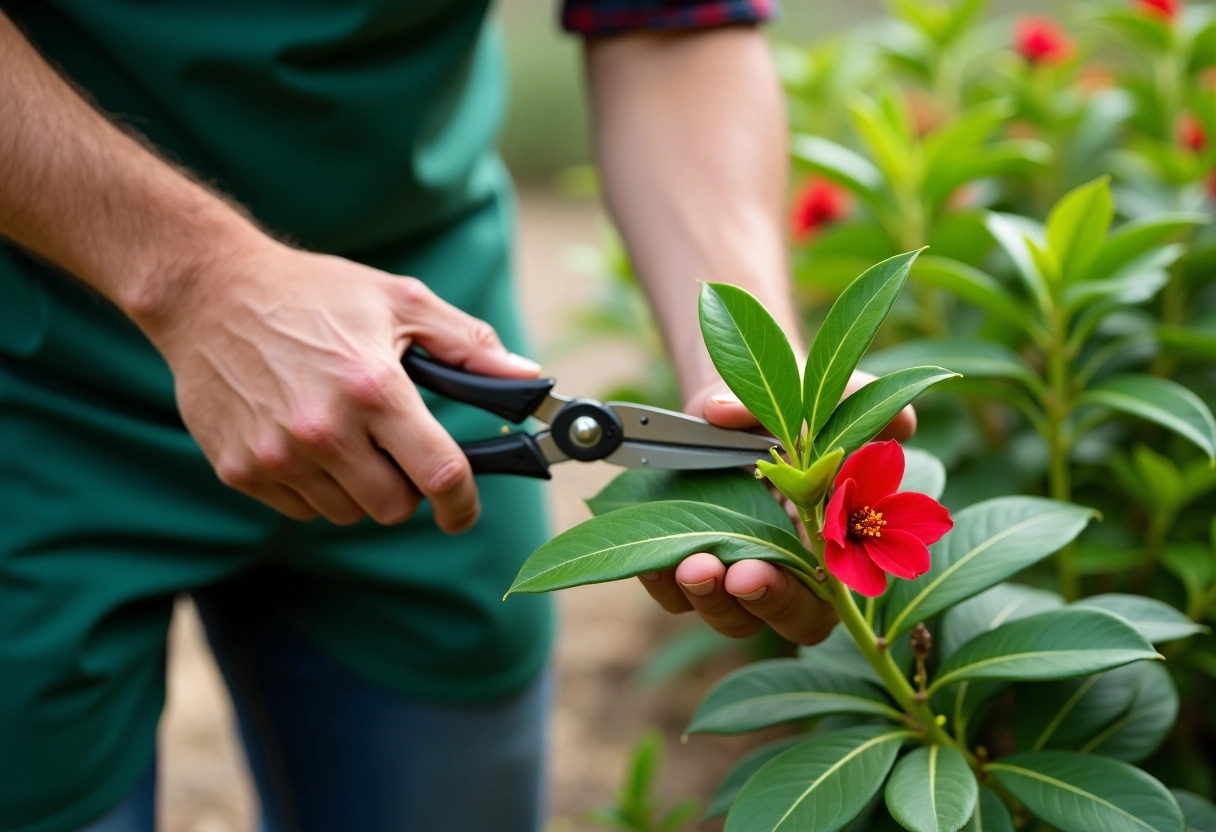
[314, 430]
[273, 457]
[236, 473]
[482, 335]
[371, 385]
[448, 473]
[411, 291]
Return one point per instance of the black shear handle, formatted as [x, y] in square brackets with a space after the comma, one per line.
[515, 453]
[514, 399]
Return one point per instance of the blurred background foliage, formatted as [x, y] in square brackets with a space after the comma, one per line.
[546, 129]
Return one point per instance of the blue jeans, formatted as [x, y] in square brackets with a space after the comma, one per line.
[330, 752]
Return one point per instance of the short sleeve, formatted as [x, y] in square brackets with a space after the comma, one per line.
[603, 17]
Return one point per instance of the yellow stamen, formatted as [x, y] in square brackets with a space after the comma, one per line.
[866, 523]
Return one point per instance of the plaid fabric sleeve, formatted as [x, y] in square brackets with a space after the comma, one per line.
[603, 17]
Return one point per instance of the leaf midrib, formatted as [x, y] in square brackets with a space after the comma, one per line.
[840, 342]
[894, 395]
[1060, 784]
[965, 559]
[735, 535]
[809, 695]
[1139, 405]
[836, 766]
[1030, 654]
[788, 437]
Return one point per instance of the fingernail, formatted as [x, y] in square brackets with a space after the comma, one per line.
[703, 588]
[725, 398]
[754, 596]
[650, 576]
[523, 363]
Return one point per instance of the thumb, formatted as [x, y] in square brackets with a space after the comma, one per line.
[723, 408]
[455, 337]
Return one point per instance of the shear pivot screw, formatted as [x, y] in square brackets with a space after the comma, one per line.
[585, 432]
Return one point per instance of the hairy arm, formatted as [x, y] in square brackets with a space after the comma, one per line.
[690, 137]
[286, 363]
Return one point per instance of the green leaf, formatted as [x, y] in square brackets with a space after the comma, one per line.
[839, 164]
[642, 766]
[1158, 400]
[932, 790]
[887, 147]
[1123, 713]
[646, 538]
[923, 473]
[1081, 793]
[1200, 812]
[1049, 645]
[733, 489]
[1156, 620]
[1147, 30]
[1122, 290]
[1007, 158]
[974, 287]
[784, 690]
[970, 128]
[754, 358]
[742, 771]
[1140, 730]
[1190, 563]
[1077, 226]
[846, 333]
[989, 610]
[970, 357]
[1130, 241]
[820, 784]
[1011, 233]
[861, 416]
[990, 542]
[681, 652]
[841, 653]
[990, 814]
[963, 622]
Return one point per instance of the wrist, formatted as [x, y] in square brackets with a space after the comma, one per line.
[186, 264]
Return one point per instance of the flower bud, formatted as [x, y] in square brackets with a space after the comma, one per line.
[804, 488]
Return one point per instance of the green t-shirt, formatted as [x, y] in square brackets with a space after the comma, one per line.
[363, 128]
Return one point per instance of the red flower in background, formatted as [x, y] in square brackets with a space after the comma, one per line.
[1041, 41]
[1191, 134]
[1166, 8]
[870, 528]
[817, 203]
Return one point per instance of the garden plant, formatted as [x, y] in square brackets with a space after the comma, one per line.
[907, 712]
[1061, 324]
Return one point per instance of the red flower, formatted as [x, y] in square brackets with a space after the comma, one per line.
[1041, 41]
[1166, 8]
[870, 528]
[819, 202]
[1191, 134]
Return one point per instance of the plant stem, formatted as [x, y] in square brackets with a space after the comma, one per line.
[879, 656]
[1059, 442]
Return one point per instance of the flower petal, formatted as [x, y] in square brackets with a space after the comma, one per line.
[900, 553]
[836, 515]
[915, 513]
[852, 566]
[878, 468]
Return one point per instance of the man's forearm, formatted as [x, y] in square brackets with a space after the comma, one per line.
[82, 194]
[690, 138]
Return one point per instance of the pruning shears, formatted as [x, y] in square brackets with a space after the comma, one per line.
[631, 435]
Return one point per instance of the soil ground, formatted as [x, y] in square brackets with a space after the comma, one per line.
[606, 632]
